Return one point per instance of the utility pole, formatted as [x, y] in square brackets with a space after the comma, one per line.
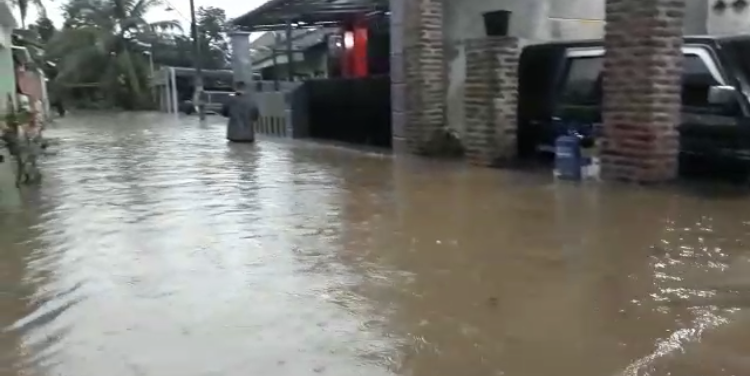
[289, 50]
[150, 54]
[148, 50]
[198, 95]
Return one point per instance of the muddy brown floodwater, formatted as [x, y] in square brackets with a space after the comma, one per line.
[154, 248]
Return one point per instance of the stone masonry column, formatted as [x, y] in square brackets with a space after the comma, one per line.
[490, 100]
[417, 73]
[643, 66]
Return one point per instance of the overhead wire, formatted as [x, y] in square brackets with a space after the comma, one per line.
[171, 7]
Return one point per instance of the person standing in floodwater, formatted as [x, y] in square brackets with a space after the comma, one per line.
[242, 112]
[60, 107]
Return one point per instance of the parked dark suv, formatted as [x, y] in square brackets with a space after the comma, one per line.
[215, 100]
[564, 81]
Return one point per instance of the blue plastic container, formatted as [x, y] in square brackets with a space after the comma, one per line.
[568, 158]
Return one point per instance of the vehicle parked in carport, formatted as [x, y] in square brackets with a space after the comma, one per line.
[563, 80]
[215, 100]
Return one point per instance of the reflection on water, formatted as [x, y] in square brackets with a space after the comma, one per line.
[154, 248]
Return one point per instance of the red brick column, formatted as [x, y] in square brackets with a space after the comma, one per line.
[642, 102]
[417, 72]
[490, 100]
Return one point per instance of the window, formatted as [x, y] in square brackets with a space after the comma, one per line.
[738, 52]
[696, 81]
[582, 84]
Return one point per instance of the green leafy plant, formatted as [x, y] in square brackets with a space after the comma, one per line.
[20, 146]
[15, 119]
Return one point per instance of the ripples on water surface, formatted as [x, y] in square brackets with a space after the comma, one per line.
[154, 248]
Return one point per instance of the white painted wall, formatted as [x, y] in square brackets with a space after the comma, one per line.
[728, 21]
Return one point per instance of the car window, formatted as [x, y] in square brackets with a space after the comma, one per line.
[219, 96]
[582, 86]
[696, 82]
[582, 82]
[738, 52]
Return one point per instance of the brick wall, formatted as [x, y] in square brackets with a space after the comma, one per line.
[643, 67]
[490, 100]
[417, 73]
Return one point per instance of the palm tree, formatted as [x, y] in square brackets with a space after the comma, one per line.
[23, 9]
[99, 45]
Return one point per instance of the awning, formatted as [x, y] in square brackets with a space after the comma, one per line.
[161, 76]
[274, 14]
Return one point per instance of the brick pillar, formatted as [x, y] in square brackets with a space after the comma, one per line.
[490, 100]
[643, 66]
[417, 72]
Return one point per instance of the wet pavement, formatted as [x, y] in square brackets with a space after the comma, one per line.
[154, 248]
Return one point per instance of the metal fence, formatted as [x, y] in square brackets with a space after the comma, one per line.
[283, 109]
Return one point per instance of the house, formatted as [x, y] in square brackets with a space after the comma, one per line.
[7, 69]
[30, 79]
[10, 195]
[310, 56]
[435, 44]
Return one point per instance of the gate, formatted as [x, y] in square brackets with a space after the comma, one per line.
[351, 110]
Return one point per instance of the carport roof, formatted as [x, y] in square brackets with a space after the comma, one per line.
[274, 14]
[218, 73]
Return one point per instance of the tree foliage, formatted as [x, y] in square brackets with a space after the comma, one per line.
[212, 28]
[23, 9]
[102, 51]
[176, 50]
[35, 39]
[99, 45]
[44, 29]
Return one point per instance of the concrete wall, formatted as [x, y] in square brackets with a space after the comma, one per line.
[7, 77]
[728, 21]
[696, 17]
[7, 70]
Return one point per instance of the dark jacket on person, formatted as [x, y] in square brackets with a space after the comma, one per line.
[242, 111]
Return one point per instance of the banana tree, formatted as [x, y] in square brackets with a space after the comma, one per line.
[100, 44]
[23, 9]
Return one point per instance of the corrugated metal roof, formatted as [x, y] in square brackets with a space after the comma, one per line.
[274, 14]
[262, 48]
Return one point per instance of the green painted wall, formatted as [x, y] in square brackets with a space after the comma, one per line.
[7, 71]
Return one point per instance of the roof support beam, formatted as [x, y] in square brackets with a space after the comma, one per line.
[276, 13]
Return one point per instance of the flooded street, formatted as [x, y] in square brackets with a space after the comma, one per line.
[155, 248]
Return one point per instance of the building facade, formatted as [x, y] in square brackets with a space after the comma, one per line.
[7, 69]
[310, 56]
[548, 20]
[447, 73]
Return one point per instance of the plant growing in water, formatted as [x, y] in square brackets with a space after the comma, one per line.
[21, 146]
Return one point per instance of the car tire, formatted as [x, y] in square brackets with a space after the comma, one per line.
[187, 108]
